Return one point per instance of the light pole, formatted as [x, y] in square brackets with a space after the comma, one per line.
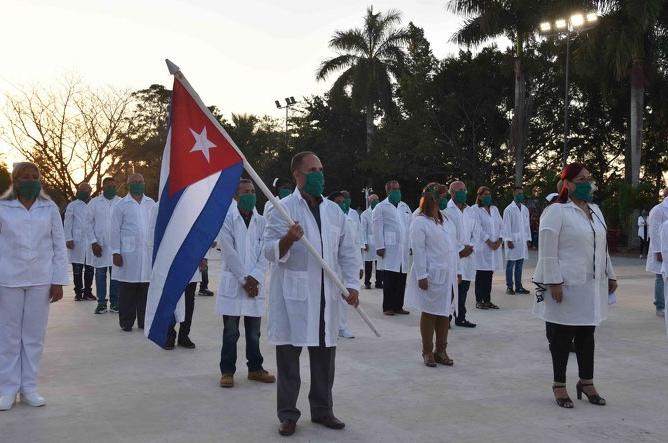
[576, 24]
[289, 102]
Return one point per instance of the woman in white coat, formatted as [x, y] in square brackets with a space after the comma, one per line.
[33, 271]
[432, 281]
[487, 240]
[576, 274]
[241, 292]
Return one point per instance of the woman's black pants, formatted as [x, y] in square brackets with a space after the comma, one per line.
[560, 338]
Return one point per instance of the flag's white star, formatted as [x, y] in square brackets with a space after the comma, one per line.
[202, 143]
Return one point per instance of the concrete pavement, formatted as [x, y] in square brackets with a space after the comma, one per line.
[106, 385]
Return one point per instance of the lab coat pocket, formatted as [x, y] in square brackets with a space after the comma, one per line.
[390, 238]
[295, 285]
[574, 272]
[333, 236]
[437, 275]
[230, 285]
[128, 244]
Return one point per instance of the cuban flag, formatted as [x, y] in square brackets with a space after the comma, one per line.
[199, 175]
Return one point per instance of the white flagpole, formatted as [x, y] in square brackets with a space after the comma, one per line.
[176, 72]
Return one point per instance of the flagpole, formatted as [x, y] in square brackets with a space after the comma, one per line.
[176, 72]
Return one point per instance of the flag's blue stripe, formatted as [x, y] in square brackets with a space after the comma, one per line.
[194, 247]
[165, 211]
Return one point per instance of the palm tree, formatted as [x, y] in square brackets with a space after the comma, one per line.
[623, 41]
[373, 57]
[485, 20]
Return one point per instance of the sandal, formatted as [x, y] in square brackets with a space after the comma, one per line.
[594, 399]
[565, 402]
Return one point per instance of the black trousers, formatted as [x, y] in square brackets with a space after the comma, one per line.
[560, 338]
[462, 289]
[132, 304]
[184, 326]
[483, 286]
[368, 268]
[394, 285]
[644, 245]
[322, 362]
[83, 279]
[204, 285]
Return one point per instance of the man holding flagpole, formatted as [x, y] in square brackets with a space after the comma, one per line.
[303, 303]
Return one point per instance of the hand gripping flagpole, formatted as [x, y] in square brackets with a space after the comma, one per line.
[176, 72]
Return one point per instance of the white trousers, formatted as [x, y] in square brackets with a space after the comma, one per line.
[343, 314]
[23, 316]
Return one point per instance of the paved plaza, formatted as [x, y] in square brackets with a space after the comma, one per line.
[105, 385]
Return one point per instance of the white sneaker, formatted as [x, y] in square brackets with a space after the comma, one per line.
[33, 399]
[346, 333]
[660, 313]
[7, 401]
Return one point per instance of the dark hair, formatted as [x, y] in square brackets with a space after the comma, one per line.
[518, 187]
[334, 195]
[388, 183]
[481, 191]
[569, 172]
[108, 179]
[298, 158]
[243, 181]
[281, 183]
[429, 204]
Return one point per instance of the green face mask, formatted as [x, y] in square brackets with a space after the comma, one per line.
[394, 197]
[443, 203]
[519, 198]
[83, 196]
[109, 192]
[487, 200]
[343, 207]
[315, 183]
[584, 191]
[137, 188]
[29, 189]
[284, 192]
[373, 204]
[247, 202]
[460, 197]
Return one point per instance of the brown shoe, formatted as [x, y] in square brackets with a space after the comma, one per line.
[443, 359]
[330, 422]
[429, 359]
[227, 381]
[287, 428]
[261, 376]
[388, 312]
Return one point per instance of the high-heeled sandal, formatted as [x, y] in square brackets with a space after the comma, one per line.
[563, 402]
[593, 399]
[429, 360]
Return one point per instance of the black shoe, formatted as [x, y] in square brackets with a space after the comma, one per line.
[205, 293]
[480, 305]
[287, 428]
[401, 311]
[465, 324]
[330, 422]
[379, 286]
[185, 342]
[564, 402]
[367, 286]
[169, 346]
[522, 291]
[101, 309]
[127, 328]
[594, 399]
[89, 297]
[510, 291]
[78, 298]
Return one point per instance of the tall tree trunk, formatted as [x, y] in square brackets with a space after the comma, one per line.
[369, 127]
[518, 134]
[636, 118]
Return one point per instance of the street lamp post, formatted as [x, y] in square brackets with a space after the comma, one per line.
[567, 27]
[289, 102]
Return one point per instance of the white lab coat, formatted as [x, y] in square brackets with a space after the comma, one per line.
[32, 245]
[463, 225]
[294, 291]
[663, 234]
[390, 232]
[354, 222]
[242, 255]
[100, 209]
[435, 257]
[643, 229]
[366, 233]
[516, 229]
[657, 216]
[572, 251]
[487, 226]
[77, 228]
[130, 222]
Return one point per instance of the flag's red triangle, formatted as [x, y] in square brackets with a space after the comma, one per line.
[198, 149]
